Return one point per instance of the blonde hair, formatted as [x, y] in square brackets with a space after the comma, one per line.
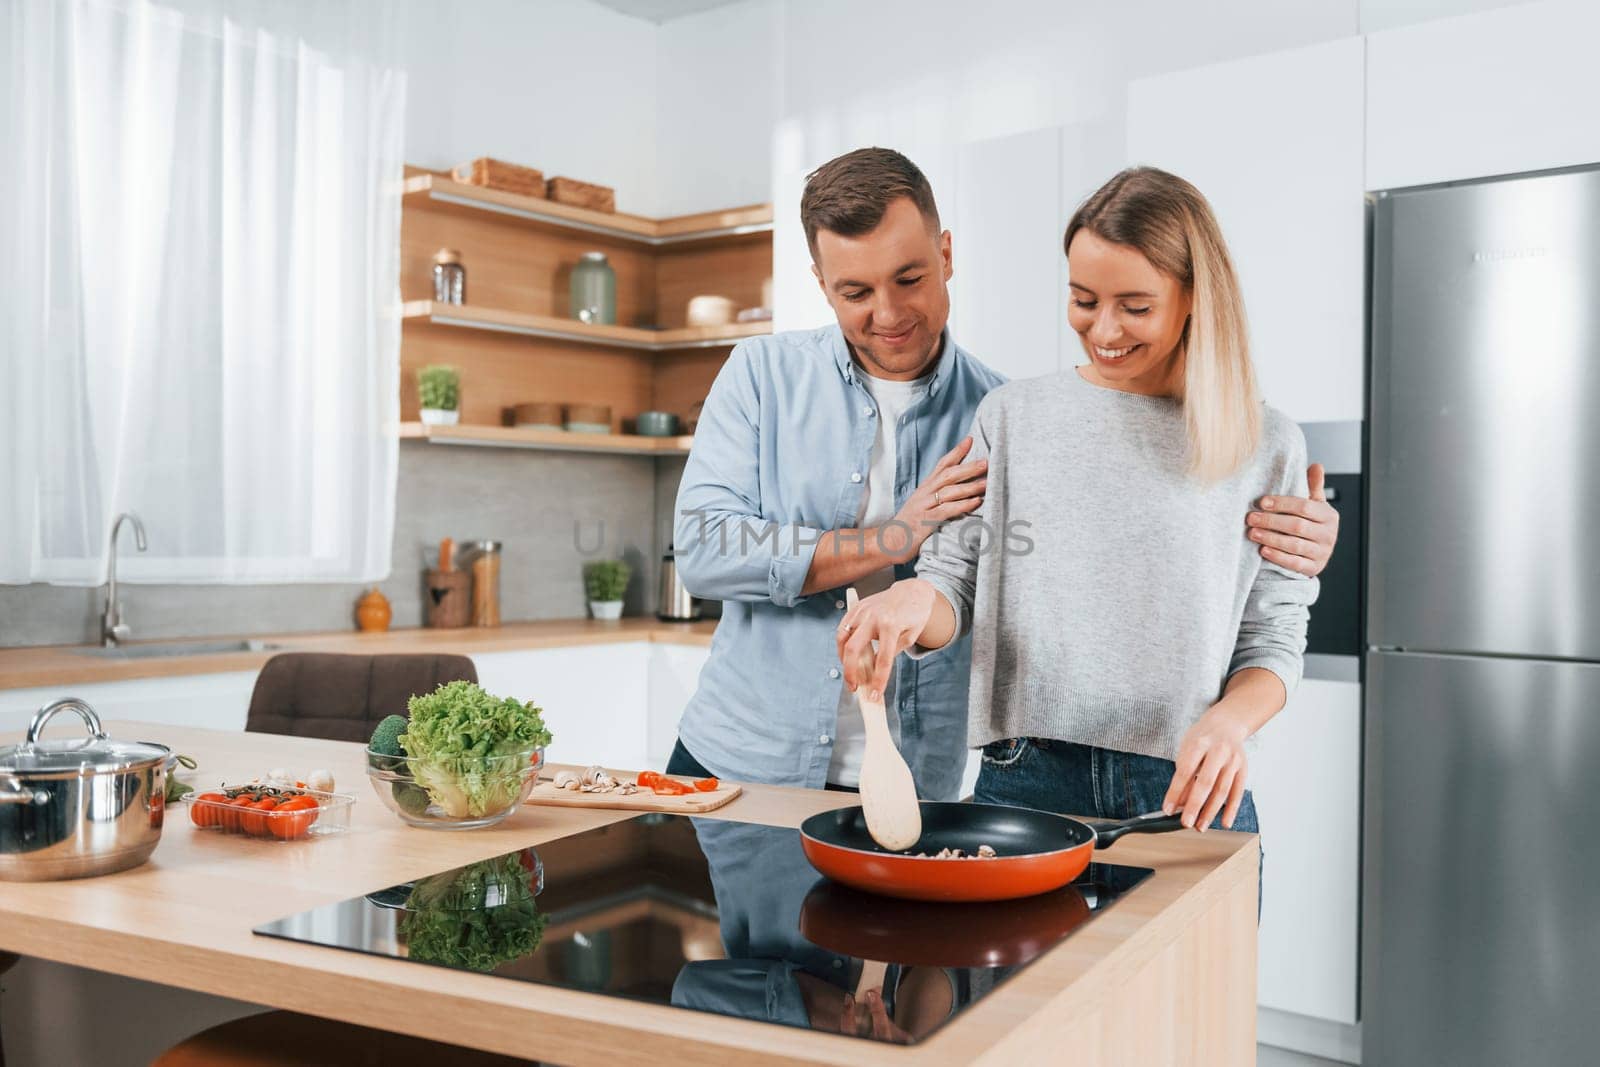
[1170, 224]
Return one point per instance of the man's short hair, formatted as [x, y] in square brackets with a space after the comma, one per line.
[848, 195]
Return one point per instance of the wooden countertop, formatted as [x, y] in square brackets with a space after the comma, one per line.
[1166, 975]
[67, 664]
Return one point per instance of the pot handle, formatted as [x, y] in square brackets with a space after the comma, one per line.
[12, 791]
[49, 711]
[1151, 822]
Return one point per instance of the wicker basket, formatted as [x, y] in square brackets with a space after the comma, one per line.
[582, 194]
[538, 414]
[506, 177]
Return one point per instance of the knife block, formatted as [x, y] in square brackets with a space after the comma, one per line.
[448, 598]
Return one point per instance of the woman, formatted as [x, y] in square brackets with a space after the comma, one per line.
[1128, 640]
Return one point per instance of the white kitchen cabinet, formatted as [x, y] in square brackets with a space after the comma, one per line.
[1005, 220]
[593, 696]
[674, 676]
[1492, 93]
[1275, 143]
[616, 705]
[1306, 781]
[216, 701]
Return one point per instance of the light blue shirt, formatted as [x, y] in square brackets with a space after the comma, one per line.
[781, 456]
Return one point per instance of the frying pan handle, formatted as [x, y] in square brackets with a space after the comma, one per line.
[1151, 822]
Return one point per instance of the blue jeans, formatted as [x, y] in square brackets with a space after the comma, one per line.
[1073, 779]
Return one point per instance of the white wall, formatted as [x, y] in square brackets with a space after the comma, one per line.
[1284, 175]
[1387, 14]
[677, 117]
[567, 86]
[1495, 93]
[965, 73]
[717, 93]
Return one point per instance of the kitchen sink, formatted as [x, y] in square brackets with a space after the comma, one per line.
[177, 648]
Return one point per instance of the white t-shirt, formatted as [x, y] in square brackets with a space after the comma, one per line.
[894, 399]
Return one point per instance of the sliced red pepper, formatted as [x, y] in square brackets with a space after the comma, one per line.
[671, 787]
[647, 779]
[706, 785]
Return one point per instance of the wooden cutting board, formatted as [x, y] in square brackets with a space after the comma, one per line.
[545, 792]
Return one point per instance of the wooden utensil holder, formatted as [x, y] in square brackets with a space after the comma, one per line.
[449, 598]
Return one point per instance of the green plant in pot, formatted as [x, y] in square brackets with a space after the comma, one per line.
[606, 582]
[439, 394]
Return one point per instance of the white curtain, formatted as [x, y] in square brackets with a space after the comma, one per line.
[199, 273]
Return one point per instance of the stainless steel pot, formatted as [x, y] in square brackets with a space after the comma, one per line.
[72, 809]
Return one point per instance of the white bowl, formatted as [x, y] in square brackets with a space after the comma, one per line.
[710, 311]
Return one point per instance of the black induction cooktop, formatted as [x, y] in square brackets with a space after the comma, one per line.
[712, 916]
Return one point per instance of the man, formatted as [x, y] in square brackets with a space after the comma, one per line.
[823, 459]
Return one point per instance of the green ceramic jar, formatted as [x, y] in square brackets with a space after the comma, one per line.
[594, 290]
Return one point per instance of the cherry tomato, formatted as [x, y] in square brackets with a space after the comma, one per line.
[293, 818]
[204, 809]
[233, 816]
[255, 822]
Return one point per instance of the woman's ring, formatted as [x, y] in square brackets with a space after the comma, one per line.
[936, 499]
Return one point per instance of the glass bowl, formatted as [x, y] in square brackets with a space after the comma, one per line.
[465, 793]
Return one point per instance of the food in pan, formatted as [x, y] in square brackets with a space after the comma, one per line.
[985, 852]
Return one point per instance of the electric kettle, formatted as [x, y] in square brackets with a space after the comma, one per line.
[674, 604]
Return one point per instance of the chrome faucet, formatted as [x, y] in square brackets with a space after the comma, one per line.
[112, 629]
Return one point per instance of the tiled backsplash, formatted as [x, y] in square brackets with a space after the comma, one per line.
[551, 511]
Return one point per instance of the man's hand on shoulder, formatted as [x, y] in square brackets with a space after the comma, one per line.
[1297, 533]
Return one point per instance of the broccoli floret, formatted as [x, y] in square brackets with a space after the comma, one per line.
[386, 738]
[412, 798]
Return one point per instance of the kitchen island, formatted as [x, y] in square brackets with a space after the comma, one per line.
[1166, 975]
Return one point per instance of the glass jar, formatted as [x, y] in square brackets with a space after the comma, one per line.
[594, 290]
[449, 277]
[485, 583]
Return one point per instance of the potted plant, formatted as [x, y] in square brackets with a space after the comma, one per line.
[605, 581]
[439, 391]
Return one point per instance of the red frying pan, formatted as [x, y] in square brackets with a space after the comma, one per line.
[853, 923]
[1035, 851]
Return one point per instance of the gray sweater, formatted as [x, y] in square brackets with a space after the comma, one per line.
[1110, 595]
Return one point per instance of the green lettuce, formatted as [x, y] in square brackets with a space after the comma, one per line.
[478, 916]
[452, 741]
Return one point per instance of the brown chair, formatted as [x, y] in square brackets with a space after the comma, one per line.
[288, 1039]
[342, 698]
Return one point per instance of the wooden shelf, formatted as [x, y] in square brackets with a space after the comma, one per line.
[733, 222]
[513, 341]
[472, 317]
[624, 444]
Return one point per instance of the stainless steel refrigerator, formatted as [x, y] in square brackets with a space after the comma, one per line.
[1481, 851]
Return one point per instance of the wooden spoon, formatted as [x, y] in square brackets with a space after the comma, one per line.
[888, 794]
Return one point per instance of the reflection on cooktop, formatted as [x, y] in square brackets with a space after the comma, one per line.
[713, 916]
